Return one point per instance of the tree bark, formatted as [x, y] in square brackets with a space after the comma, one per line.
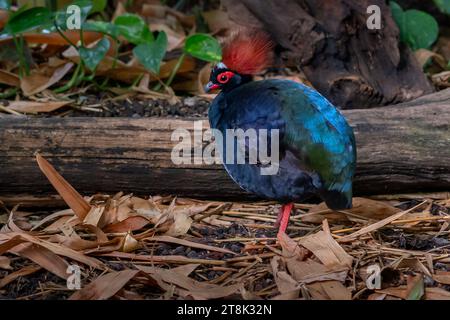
[403, 148]
[354, 67]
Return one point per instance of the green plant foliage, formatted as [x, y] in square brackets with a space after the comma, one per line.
[98, 6]
[203, 47]
[86, 6]
[417, 28]
[92, 56]
[146, 35]
[102, 27]
[443, 5]
[28, 20]
[397, 14]
[21, 9]
[417, 291]
[150, 54]
[133, 28]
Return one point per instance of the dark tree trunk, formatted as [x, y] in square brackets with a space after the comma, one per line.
[351, 65]
[403, 148]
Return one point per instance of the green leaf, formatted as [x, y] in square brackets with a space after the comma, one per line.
[150, 54]
[98, 6]
[146, 35]
[102, 27]
[5, 4]
[416, 288]
[443, 5]
[92, 56]
[397, 13]
[417, 28]
[422, 29]
[86, 7]
[28, 20]
[203, 47]
[133, 28]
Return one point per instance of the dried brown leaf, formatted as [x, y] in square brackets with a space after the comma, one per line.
[36, 107]
[105, 286]
[130, 224]
[175, 39]
[94, 215]
[310, 271]
[13, 239]
[25, 271]
[329, 290]
[73, 199]
[76, 243]
[377, 296]
[61, 223]
[8, 78]
[285, 283]
[399, 292]
[326, 249]
[362, 208]
[291, 248]
[53, 216]
[186, 270]
[192, 288]
[191, 244]
[43, 79]
[379, 224]
[442, 277]
[5, 263]
[436, 294]
[43, 257]
[424, 55]
[130, 244]
[180, 226]
[4, 17]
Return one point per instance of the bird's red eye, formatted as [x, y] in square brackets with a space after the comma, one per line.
[224, 77]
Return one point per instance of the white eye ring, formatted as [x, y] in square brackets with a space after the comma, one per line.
[221, 65]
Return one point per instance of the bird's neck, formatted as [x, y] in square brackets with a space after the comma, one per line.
[243, 79]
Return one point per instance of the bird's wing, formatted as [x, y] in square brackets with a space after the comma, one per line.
[319, 135]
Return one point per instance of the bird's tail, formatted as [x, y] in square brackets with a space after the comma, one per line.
[338, 199]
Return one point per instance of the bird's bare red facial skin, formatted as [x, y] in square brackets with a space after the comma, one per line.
[213, 87]
[224, 77]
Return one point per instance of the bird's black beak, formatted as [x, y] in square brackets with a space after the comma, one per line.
[211, 86]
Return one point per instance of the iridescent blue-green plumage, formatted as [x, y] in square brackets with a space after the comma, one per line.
[317, 146]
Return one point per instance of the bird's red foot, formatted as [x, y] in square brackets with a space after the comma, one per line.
[283, 218]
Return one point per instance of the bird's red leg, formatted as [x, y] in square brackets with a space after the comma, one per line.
[283, 217]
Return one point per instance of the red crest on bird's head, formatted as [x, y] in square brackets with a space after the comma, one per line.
[248, 52]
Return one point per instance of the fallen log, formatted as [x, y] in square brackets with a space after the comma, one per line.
[402, 148]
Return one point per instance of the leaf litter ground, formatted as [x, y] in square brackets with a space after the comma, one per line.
[129, 247]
